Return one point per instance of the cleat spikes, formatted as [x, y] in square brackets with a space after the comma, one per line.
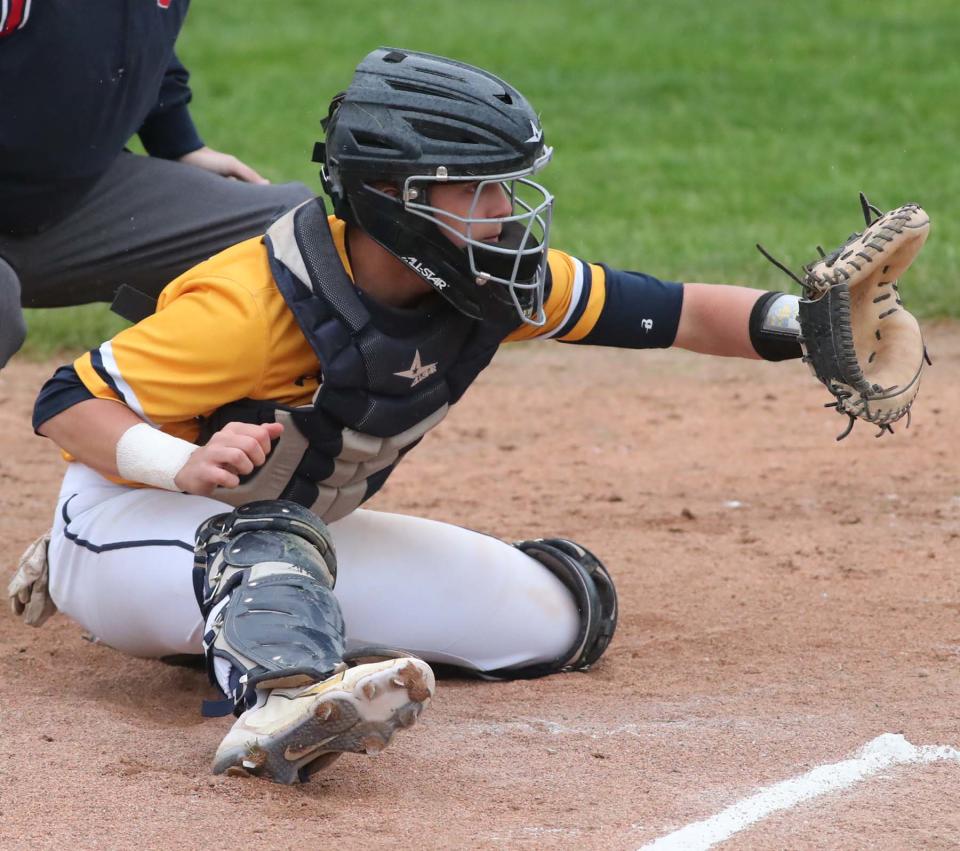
[237, 771]
[298, 732]
[372, 745]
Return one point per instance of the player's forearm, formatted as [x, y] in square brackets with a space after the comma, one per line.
[715, 320]
[90, 430]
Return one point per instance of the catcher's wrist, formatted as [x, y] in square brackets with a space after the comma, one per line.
[775, 327]
[152, 457]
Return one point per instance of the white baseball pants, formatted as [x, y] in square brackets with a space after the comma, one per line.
[121, 563]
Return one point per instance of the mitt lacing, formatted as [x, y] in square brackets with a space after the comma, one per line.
[814, 287]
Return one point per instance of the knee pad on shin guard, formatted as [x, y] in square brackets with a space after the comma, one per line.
[264, 577]
[596, 597]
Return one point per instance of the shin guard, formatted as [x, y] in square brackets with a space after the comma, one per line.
[264, 577]
[596, 597]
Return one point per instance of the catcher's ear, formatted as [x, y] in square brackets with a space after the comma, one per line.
[387, 188]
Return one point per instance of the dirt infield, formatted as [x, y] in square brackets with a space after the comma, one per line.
[785, 599]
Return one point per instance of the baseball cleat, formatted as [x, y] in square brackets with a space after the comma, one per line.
[293, 732]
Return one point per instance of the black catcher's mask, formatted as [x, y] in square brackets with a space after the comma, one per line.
[413, 120]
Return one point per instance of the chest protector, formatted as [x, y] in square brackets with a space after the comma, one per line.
[380, 390]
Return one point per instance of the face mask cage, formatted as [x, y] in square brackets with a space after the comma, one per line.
[518, 261]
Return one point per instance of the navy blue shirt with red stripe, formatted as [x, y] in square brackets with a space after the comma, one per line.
[79, 79]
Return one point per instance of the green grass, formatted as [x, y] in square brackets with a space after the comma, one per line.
[684, 132]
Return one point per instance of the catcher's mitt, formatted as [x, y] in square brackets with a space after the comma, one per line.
[855, 333]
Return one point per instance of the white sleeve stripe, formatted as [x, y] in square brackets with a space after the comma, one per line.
[26, 14]
[575, 297]
[110, 365]
[4, 11]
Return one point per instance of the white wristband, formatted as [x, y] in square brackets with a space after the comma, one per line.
[146, 454]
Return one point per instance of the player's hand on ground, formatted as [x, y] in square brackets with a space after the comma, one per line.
[220, 163]
[234, 451]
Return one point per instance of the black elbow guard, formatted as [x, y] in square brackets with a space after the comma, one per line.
[774, 327]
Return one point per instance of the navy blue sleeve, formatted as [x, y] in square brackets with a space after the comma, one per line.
[639, 312]
[168, 131]
[62, 391]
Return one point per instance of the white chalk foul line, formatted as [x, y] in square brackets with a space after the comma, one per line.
[884, 751]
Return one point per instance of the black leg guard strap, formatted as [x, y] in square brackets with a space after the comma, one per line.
[596, 597]
[264, 577]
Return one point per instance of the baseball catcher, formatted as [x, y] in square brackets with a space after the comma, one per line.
[221, 448]
[856, 335]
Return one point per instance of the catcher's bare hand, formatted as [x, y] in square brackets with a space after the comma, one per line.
[234, 451]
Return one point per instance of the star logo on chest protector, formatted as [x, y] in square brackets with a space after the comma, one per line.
[418, 371]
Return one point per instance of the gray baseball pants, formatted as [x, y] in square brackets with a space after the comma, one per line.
[146, 221]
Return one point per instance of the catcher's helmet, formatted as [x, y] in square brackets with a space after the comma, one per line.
[413, 120]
